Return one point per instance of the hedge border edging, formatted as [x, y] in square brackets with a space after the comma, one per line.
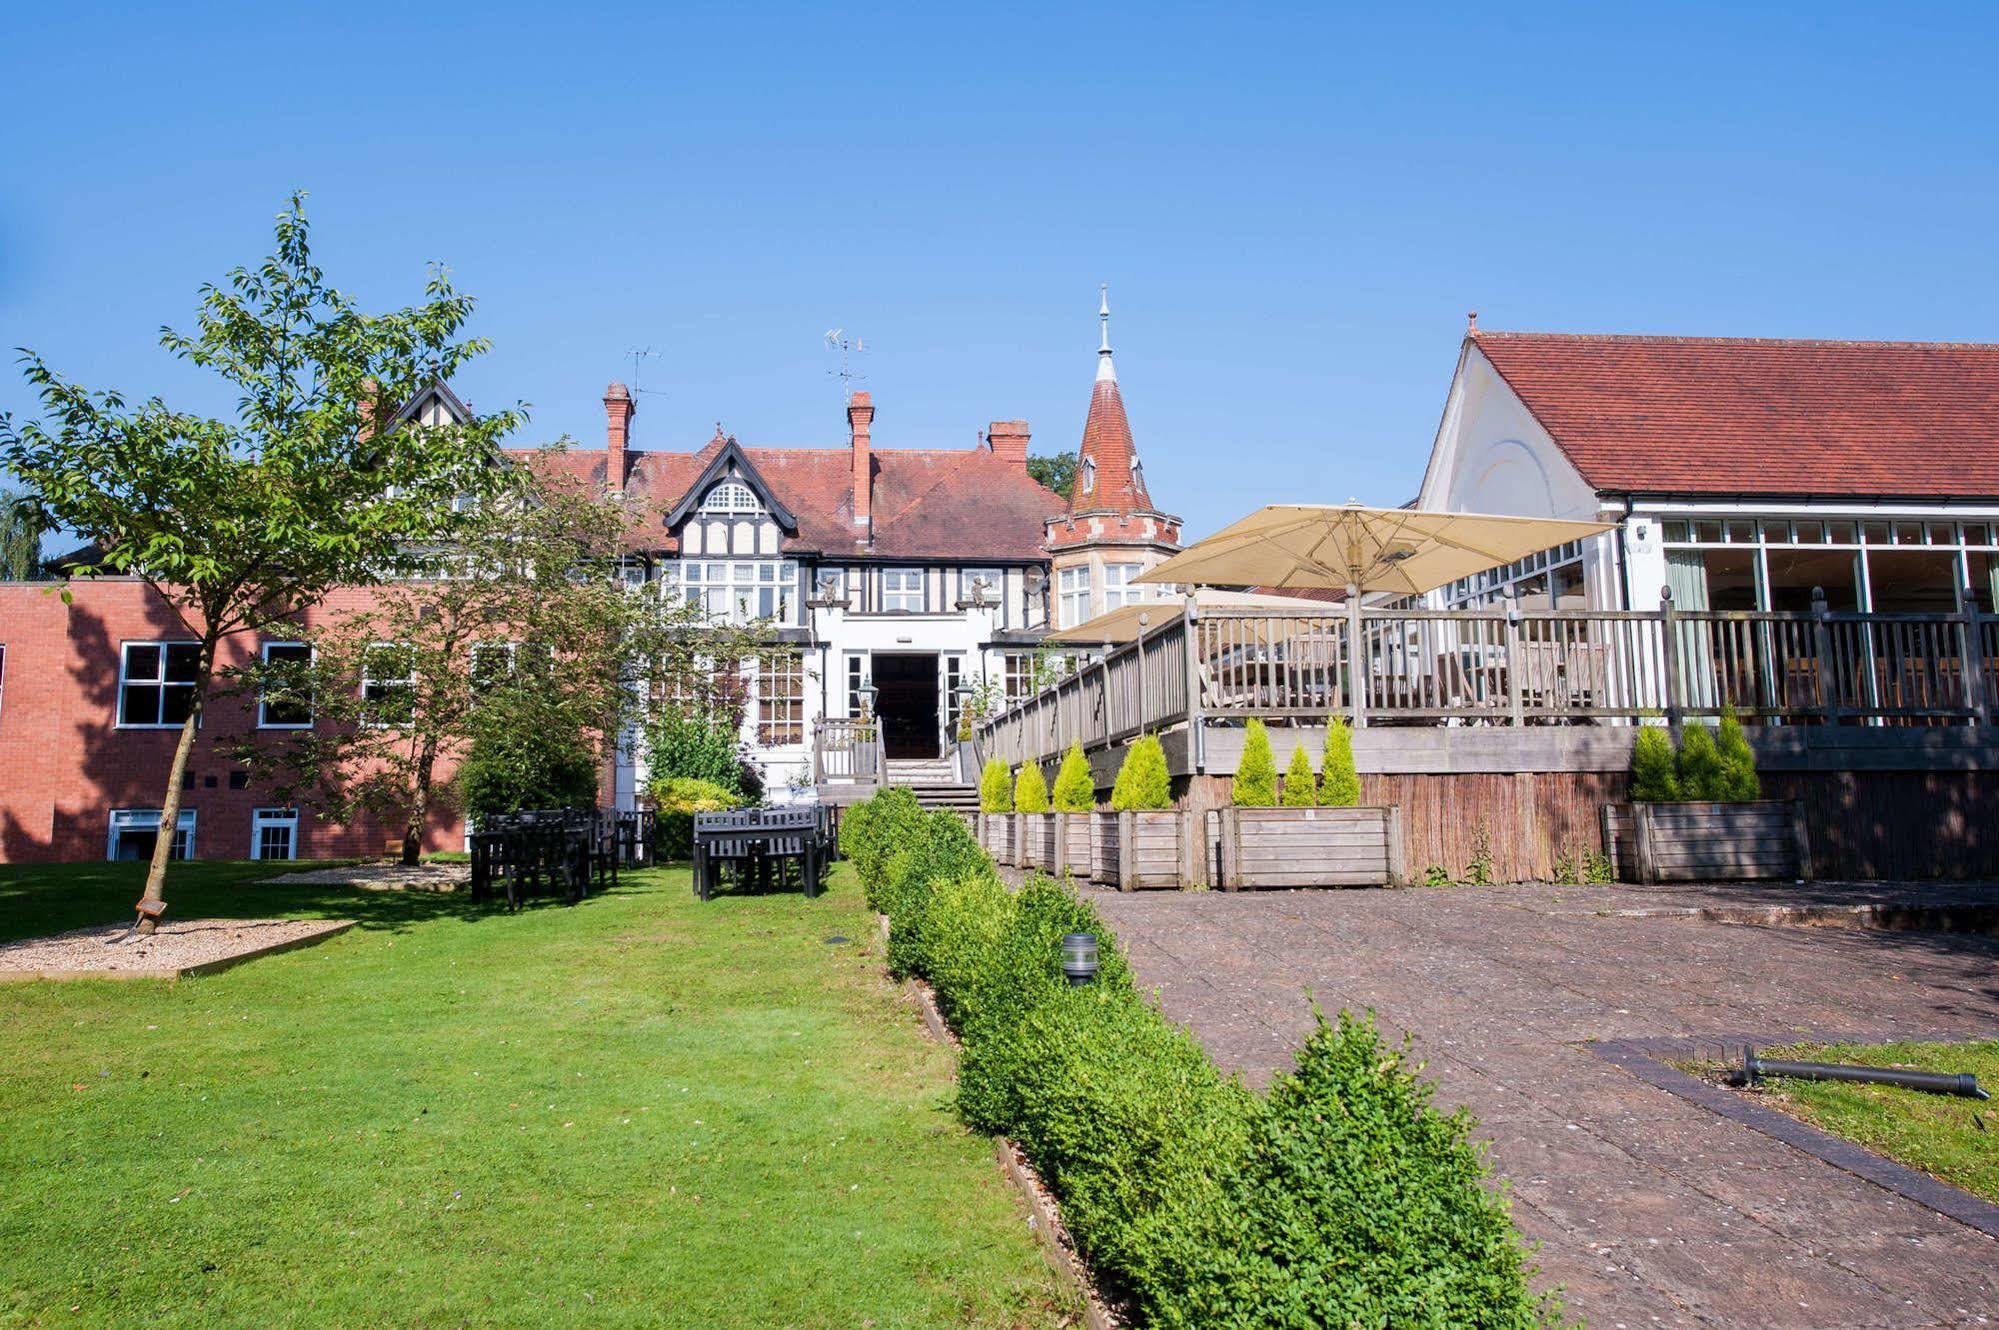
[1045, 1217]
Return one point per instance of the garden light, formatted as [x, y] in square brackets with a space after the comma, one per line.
[1079, 958]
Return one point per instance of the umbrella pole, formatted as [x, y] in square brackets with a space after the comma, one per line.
[1356, 659]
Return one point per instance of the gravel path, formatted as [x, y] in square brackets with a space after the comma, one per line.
[178, 945]
[385, 877]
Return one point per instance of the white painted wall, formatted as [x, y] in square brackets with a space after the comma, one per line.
[1492, 456]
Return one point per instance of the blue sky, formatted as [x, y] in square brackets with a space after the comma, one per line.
[1294, 207]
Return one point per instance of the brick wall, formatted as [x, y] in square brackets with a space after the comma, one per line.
[65, 764]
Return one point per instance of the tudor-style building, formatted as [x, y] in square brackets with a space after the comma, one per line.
[897, 580]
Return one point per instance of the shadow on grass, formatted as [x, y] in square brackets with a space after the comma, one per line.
[41, 899]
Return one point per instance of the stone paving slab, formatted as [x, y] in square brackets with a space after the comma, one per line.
[1651, 1210]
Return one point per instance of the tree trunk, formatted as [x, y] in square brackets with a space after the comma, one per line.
[426, 764]
[153, 904]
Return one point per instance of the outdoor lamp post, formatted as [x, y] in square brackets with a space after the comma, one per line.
[868, 695]
[1079, 958]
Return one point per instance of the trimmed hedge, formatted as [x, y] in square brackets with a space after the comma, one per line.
[1030, 791]
[1341, 1198]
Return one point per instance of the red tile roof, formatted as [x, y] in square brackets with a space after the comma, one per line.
[1107, 446]
[928, 503]
[1752, 416]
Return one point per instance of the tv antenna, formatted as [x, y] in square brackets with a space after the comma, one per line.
[639, 357]
[848, 347]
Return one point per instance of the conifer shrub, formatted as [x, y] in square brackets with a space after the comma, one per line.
[1699, 767]
[1339, 782]
[1653, 778]
[1256, 775]
[1030, 791]
[1142, 781]
[1075, 789]
[1739, 781]
[995, 787]
[1301, 790]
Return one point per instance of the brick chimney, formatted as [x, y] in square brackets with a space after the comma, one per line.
[1008, 440]
[860, 424]
[619, 408]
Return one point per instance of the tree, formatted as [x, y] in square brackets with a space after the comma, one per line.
[1300, 789]
[20, 539]
[1256, 775]
[1653, 779]
[1142, 779]
[1339, 779]
[1057, 473]
[527, 751]
[1739, 781]
[314, 484]
[1075, 791]
[995, 788]
[525, 601]
[1030, 790]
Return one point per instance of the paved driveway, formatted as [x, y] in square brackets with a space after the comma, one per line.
[1651, 1210]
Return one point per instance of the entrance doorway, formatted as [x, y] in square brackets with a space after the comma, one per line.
[906, 702]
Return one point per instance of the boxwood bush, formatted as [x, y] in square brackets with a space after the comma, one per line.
[1341, 1198]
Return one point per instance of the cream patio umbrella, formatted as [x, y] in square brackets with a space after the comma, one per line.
[1394, 551]
[1397, 551]
[1118, 626]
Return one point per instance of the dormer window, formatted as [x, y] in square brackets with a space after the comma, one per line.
[1089, 475]
[731, 496]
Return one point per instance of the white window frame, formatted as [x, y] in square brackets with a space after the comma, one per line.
[731, 496]
[896, 595]
[261, 818]
[1073, 594]
[160, 682]
[148, 819]
[735, 590]
[369, 681]
[262, 722]
[1121, 587]
[761, 720]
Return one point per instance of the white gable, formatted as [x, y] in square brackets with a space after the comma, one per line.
[1493, 456]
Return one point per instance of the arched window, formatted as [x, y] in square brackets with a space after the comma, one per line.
[731, 496]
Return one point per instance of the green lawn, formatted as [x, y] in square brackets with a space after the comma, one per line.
[637, 1111]
[1956, 1140]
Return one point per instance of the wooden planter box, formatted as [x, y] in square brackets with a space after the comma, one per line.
[1037, 840]
[1310, 847]
[1075, 845]
[1135, 850]
[1707, 842]
[992, 834]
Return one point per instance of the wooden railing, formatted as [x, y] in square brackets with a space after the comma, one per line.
[845, 750]
[1506, 666]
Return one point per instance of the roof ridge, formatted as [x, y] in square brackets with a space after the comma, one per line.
[1672, 339]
